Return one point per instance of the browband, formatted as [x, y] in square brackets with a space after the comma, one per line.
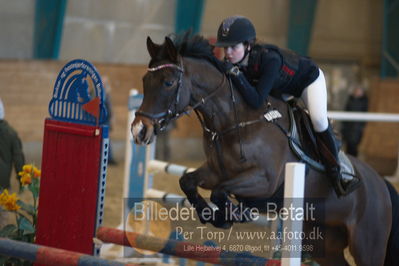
[152, 69]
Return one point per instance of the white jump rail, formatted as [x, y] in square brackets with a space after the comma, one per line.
[369, 117]
[363, 116]
[155, 166]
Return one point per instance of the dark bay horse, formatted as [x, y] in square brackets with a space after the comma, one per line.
[246, 157]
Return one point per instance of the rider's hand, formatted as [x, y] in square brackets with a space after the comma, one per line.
[231, 69]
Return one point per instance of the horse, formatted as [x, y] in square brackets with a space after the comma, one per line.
[77, 88]
[246, 155]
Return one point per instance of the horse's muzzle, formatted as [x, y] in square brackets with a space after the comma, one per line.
[142, 131]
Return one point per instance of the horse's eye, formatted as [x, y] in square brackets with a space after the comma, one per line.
[168, 83]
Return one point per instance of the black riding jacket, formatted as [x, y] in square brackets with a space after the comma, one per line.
[271, 70]
[10, 153]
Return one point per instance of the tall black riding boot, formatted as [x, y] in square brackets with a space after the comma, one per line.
[329, 152]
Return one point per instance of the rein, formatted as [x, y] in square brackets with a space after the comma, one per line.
[233, 100]
[162, 119]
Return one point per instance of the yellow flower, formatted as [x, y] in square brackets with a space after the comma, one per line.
[27, 168]
[9, 201]
[3, 196]
[30, 169]
[26, 179]
[36, 172]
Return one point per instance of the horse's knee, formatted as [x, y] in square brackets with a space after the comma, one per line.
[188, 182]
[219, 197]
[183, 183]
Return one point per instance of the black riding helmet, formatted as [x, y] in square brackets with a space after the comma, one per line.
[234, 30]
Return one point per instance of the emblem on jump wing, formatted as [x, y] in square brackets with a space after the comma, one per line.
[78, 94]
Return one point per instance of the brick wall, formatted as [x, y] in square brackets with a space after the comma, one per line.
[26, 88]
[380, 142]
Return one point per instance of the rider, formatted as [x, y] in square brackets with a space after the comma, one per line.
[259, 69]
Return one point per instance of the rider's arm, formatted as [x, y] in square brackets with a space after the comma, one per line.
[255, 96]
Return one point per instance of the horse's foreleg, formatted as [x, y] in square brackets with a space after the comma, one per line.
[189, 183]
[229, 213]
[252, 182]
[203, 176]
[220, 199]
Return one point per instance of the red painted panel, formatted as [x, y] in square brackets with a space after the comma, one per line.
[69, 186]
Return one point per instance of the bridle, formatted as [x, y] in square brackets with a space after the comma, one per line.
[162, 119]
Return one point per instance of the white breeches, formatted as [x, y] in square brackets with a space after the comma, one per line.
[315, 99]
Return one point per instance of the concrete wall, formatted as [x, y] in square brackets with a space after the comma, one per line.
[348, 30]
[270, 18]
[115, 31]
[16, 28]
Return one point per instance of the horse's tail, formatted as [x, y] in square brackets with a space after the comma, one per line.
[391, 257]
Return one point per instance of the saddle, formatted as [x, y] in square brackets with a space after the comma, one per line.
[302, 140]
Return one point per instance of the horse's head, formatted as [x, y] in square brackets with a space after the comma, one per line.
[78, 88]
[166, 93]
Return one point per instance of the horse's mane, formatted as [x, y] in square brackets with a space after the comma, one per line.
[196, 46]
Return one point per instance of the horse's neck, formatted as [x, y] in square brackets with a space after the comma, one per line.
[219, 115]
[218, 110]
[209, 84]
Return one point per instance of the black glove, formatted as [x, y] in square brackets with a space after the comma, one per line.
[230, 69]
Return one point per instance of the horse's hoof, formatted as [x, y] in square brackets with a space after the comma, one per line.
[219, 197]
[224, 225]
[220, 221]
[205, 217]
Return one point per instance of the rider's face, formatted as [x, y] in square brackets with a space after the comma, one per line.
[235, 53]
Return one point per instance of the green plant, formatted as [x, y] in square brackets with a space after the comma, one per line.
[25, 213]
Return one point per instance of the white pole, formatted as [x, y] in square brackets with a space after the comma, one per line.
[294, 190]
[129, 141]
[363, 116]
[129, 177]
[156, 166]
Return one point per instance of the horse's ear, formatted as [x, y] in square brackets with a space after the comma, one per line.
[171, 49]
[152, 47]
